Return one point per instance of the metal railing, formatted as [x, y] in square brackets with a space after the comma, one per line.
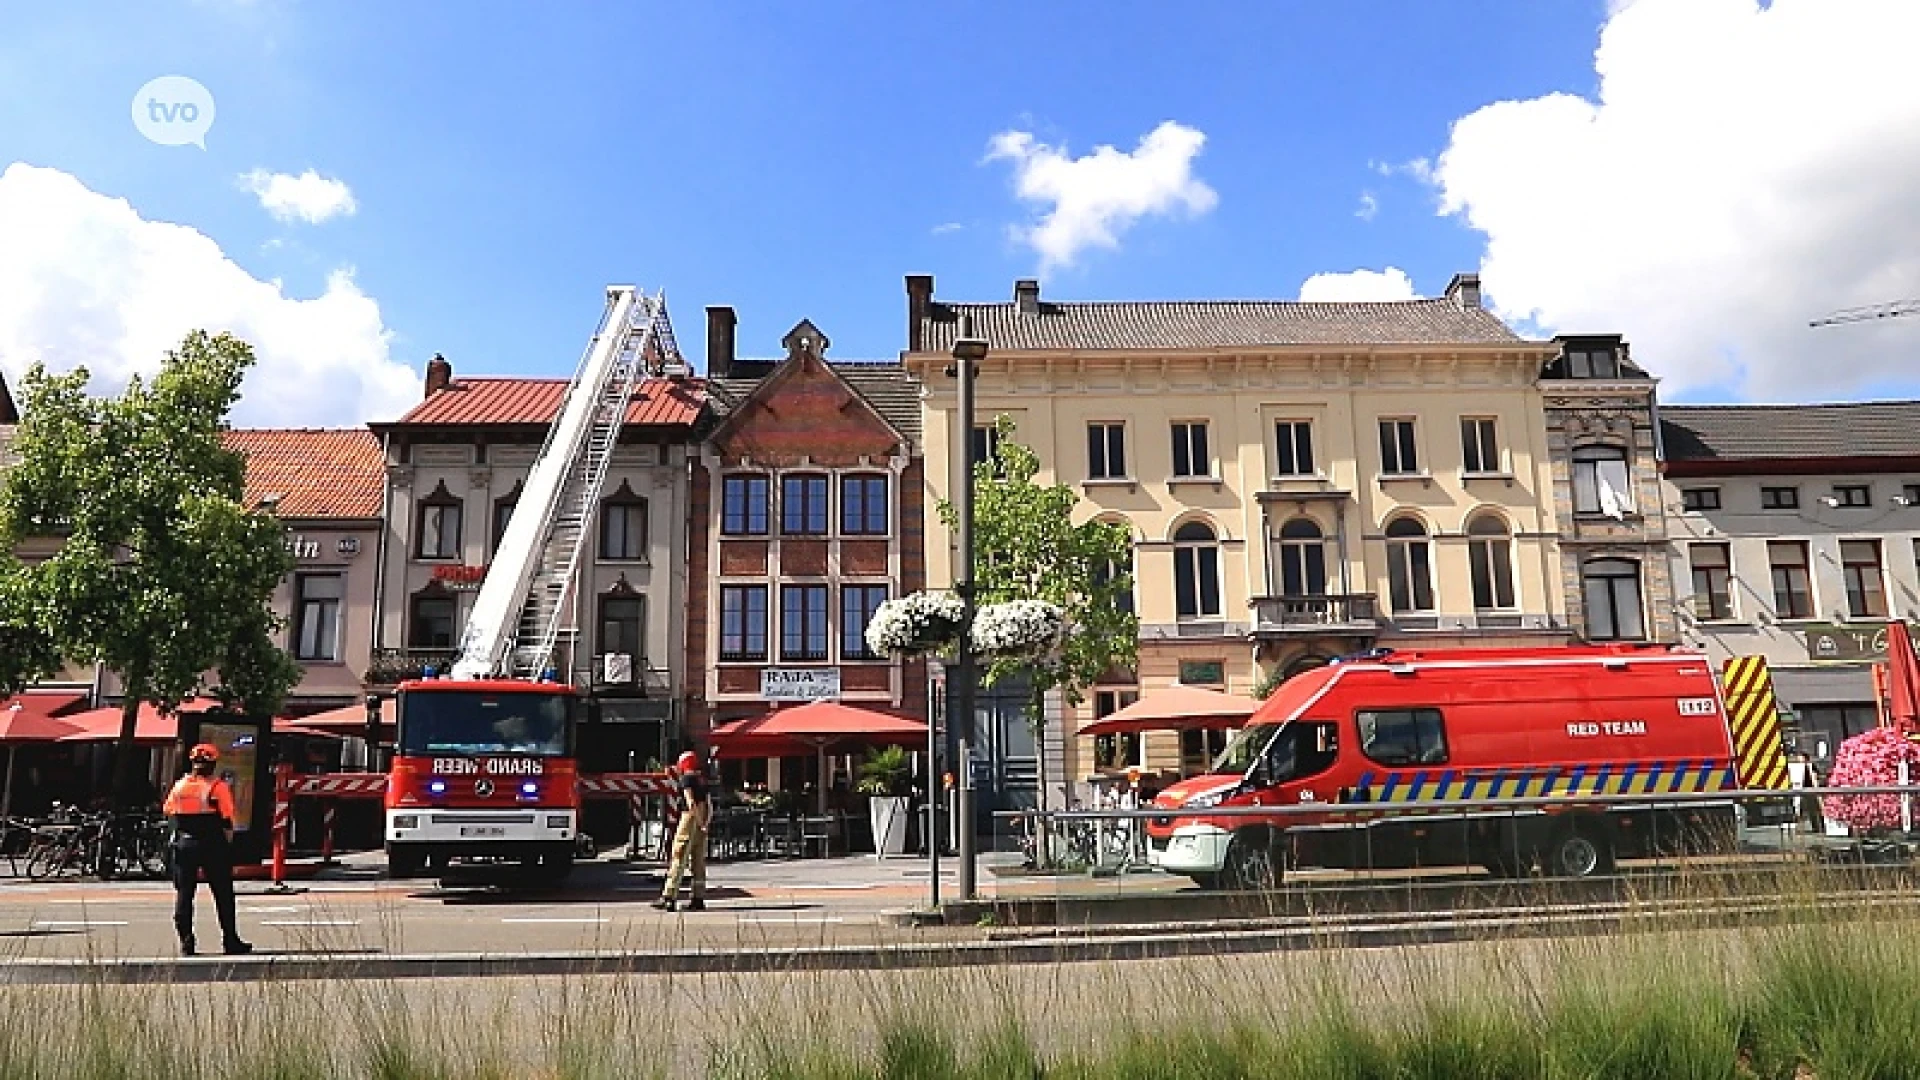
[1315, 613]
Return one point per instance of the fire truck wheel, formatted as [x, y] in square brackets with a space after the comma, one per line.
[1253, 861]
[1580, 851]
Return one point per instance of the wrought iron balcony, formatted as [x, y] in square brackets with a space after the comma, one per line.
[389, 667]
[1355, 614]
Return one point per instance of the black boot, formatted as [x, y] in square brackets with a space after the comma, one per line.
[186, 946]
[236, 947]
[698, 903]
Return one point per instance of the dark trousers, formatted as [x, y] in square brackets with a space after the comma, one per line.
[216, 862]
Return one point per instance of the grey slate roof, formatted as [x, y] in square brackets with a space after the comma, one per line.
[1178, 324]
[885, 385]
[1775, 432]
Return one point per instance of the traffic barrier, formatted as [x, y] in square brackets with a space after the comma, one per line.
[282, 821]
[326, 833]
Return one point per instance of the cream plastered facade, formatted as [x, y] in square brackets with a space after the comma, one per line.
[1241, 395]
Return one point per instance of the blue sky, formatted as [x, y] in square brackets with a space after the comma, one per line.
[504, 162]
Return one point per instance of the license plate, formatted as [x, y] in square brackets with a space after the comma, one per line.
[483, 830]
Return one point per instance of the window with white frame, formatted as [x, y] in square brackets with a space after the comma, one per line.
[1409, 566]
[1399, 450]
[1126, 750]
[1712, 581]
[1490, 560]
[316, 617]
[1293, 448]
[1601, 483]
[1192, 458]
[1107, 451]
[1303, 558]
[1479, 444]
[1196, 571]
[743, 622]
[1611, 588]
[857, 605]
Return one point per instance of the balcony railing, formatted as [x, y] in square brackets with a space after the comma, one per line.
[391, 666]
[1351, 614]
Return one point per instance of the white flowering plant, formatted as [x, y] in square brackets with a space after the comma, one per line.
[1018, 628]
[917, 623]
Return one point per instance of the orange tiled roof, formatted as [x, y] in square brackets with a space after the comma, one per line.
[316, 473]
[485, 401]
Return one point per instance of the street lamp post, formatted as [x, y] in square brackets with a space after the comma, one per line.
[968, 351]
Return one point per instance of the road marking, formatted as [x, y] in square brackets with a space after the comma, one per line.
[790, 918]
[553, 920]
[836, 888]
[51, 924]
[268, 910]
[310, 922]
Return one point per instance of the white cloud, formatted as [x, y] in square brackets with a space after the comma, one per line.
[1369, 207]
[309, 197]
[1744, 169]
[946, 227]
[86, 281]
[1389, 284]
[1092, 200]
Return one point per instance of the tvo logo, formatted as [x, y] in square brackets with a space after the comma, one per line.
[173, 110]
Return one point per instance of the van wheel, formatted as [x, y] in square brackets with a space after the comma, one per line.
[1253, 861]
[1580, 851]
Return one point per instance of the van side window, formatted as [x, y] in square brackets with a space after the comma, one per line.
[1403, 736]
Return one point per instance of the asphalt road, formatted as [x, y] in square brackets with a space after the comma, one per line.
[605, 906]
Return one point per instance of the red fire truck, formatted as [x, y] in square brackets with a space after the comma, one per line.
[1608, 728]
[484, 767]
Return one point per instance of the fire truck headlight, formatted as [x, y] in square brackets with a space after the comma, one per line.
[436, 786]
[557, 821]
[1202, 802]
[406, 821]
[529, 789]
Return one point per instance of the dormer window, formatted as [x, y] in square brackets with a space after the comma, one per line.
[1593, 363]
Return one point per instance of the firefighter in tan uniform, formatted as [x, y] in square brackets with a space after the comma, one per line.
[200, 807]
[690, 839]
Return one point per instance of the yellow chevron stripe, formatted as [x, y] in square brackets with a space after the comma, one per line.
[1760, 760]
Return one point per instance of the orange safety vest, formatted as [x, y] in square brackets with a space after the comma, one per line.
[193, 795]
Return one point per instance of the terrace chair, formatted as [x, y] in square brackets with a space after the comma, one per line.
[817, 830]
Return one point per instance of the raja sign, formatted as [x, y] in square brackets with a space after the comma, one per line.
[460, 578]
[799, 684]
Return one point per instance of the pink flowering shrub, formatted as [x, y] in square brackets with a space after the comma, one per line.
[1870, 759]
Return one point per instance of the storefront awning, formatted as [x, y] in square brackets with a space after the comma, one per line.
[151, 727]
[1176, 708]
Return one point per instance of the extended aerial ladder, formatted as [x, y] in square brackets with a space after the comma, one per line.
[515, 621]
[1868, 313]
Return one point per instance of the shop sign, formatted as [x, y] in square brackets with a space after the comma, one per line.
[1843, 642]
[800, 684]
[460, 578]
[301, 547]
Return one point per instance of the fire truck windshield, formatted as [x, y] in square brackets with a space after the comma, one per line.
[458, 722]
[1245, 749]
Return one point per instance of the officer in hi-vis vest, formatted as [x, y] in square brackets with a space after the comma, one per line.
[200, 806]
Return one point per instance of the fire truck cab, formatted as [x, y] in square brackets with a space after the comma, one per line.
[1610, 728]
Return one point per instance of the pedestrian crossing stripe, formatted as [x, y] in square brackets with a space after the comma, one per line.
[1754, 720]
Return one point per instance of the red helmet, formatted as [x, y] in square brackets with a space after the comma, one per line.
[206, 751]
[689, 762]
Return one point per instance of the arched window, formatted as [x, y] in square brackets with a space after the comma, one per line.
[1409, 566]
[431, 617]
[1490, 553]
[1196, 572]
[623, 527]
[1601, 484]
[1611, 588]
[1303, 559]
[503, 514]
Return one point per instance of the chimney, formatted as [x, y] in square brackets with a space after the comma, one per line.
[919, 301]
[1464, 291]
[9, 412]
[721, 321]
[439, 374]
[1026, 296]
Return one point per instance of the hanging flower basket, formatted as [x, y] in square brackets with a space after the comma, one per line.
[922, 622]
[1031, 628]
[1870, 759]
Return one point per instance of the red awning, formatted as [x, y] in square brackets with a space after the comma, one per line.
[152, 728]
[813, 727]
[35, 717]
[1176, 708]
[1903, 679]
[347, 720]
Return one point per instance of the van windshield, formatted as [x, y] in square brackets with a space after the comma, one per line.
[1245, 749]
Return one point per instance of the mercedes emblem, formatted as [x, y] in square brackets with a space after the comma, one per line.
[483, 787]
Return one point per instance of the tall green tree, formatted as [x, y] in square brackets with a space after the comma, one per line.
[1027, 546]
[27, 651]
[163, 575]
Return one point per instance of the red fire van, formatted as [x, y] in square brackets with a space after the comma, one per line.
[1610, 728]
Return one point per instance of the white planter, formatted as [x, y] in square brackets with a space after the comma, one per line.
[889, 817]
